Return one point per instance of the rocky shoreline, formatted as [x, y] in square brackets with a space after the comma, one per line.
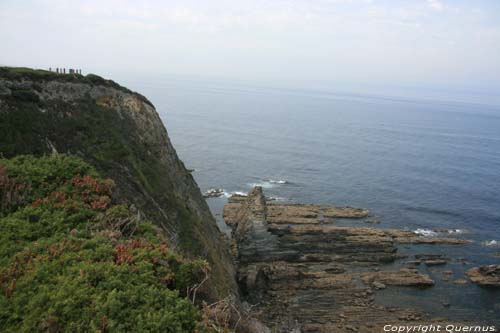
[309, 275]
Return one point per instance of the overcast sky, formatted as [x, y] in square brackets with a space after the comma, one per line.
[407, 42]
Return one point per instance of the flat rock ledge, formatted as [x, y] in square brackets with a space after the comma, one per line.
[403, 277]
[309, 275]
[488, 276]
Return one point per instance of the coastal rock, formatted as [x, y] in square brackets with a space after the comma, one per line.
[311, 276]
[294, 213]
[302, 213]
[433, 259]
[409, 237]
[378, 285]
[435, 262]
[232, 209]
[251, 234]
[488, 276]
[403, 277]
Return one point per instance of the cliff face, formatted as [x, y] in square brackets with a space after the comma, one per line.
[121, 134]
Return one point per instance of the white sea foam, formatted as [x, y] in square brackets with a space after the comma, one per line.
[276, 199]
[214, 192]
[436, 232]
[269, 183]
[272, 181]
[264, 184]
[425, 232]
[491, 243]
[230, 194]
[456, 231]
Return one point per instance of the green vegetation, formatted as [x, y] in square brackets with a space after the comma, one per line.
[41, 74]
[73, 260]
[123, 140]
[25, 70]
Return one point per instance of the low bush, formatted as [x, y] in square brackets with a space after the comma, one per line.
[74, 261]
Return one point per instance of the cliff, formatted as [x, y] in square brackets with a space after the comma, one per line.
[120, 133]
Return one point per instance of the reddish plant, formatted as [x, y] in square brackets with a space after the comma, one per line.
[80, 190]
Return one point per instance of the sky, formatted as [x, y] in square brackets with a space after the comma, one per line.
[412, 42]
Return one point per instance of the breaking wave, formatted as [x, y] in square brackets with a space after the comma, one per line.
[436, 232]
[269, 183]
[491, 243]
[276, 199]
[425, 232]
[229, 194]
[278, 181]
[214, 193]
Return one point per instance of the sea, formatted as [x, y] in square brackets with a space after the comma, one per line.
[420, 162]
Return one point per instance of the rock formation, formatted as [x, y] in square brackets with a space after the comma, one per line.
[488, 276]
[309, 275]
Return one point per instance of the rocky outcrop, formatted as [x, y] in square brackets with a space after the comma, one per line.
[403, 277]
[488, 276]
[251, 235]
[294, 213]
[313, 214]
[310, 275]
[119, 132]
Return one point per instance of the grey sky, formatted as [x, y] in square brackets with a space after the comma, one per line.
[408, 42]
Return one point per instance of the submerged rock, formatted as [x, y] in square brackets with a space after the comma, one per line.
[447, 275]
[460, 281]
[435, 262]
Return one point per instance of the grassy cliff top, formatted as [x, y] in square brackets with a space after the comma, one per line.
[39, 75]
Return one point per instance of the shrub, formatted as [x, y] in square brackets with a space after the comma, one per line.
[43, 175]
[74, 262]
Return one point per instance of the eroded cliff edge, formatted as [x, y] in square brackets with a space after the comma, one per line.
[121, 134]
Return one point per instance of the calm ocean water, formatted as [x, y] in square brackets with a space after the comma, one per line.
[415, 163]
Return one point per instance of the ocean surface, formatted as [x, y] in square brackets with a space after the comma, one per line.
[417, 163]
